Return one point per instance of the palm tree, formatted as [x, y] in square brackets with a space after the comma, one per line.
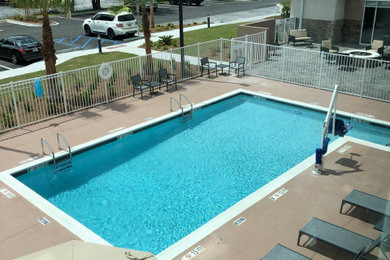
[96, 4]
[26, 5]
[151, 8]
[148, 46]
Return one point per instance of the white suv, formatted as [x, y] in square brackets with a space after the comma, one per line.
[111, 25]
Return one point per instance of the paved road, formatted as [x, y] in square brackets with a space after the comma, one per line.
[68, 34]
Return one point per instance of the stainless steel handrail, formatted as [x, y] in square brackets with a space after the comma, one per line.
[43, 141]
[65, 141]
[188, 101]
[180, 106]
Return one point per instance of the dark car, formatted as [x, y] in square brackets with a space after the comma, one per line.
[20, 49]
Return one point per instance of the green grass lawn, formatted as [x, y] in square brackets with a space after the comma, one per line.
[75, 63]
[213, 33]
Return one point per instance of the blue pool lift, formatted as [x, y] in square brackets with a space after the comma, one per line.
[331, 125]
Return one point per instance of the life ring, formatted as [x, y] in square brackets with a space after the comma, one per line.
[105, 71]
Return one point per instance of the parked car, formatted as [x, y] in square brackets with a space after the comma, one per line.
[105, 23]
[188, 2]
[20, 49]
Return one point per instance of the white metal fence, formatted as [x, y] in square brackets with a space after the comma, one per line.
[70, 91]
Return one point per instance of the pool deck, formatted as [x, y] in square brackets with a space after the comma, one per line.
[268, 222]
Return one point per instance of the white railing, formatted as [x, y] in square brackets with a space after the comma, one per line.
[70, 91]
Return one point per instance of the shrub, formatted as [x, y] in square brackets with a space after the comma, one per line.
[166, 39]
[194, 23]
[170, 25]
[165, 48]
[286, 8]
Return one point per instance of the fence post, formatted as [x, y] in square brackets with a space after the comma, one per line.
[363, 77]
[284, 29]
[15, 104]
[63, 92]
[284, 61]
[171, 62]
[220, 49]
[198, 58]
[319, 78]
[140, 66]
[106, 90]
[231, 49]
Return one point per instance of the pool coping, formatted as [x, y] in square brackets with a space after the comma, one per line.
[87, 235]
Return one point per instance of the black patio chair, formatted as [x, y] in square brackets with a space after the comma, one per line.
[280, 252]
[237, 65]
[167, 78]
[140, 84]
[340, 237]
[207, 65]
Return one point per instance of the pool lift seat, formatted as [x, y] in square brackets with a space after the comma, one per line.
[63, 162]
[186, 111]
[331, 125]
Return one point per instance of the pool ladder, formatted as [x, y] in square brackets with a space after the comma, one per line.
[64, 162]
[185, 114]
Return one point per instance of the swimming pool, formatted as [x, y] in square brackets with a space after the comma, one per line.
[147, 190]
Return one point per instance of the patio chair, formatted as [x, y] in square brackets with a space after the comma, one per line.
[340, 237]
[326, 46]
[280, 252]
[299, 35]
[140, 84]
[237, 65]
[367, 201]
[207, 65]
[167, 78]
[377, 46]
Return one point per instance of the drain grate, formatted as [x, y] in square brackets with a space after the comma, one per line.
[44, 221]
[239, 221]
[279, 194]
[7, 193]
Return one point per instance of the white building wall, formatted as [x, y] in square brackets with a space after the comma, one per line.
[327, 10]
[87, 4]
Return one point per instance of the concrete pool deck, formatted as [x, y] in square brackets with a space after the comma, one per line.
[320, 194]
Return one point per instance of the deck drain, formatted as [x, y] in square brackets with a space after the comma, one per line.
[7, 193]
[239, 221]
[44, 221]
[194, 252]
[344, 149]
[279, 194]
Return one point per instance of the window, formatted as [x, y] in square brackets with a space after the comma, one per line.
[127, 17]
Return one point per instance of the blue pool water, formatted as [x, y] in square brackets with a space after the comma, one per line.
[150, 189]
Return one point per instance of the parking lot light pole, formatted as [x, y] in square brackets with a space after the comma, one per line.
[181, 38]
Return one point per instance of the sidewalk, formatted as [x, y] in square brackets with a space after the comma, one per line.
[132, 47]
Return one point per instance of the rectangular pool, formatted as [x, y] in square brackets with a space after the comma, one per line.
[149, 189]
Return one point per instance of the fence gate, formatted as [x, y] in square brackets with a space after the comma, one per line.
[282, 28]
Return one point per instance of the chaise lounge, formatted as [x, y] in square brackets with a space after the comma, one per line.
[340, 237]
[280, 252]
[367, 201]
[299, 35]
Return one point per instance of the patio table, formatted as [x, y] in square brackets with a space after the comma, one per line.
[222, 66]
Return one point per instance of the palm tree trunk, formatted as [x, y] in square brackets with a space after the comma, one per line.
[151, 14]
[148, 46]
[48, 53]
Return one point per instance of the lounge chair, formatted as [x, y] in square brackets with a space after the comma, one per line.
[237, 65]
[299, 35]
[208, 65]
[140, 84]
[167, 78]
[326, 46]
[340, 237]
[377, 46]
[367, 201]
[280, 252]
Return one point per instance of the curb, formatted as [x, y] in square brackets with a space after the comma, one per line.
[28, 24]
